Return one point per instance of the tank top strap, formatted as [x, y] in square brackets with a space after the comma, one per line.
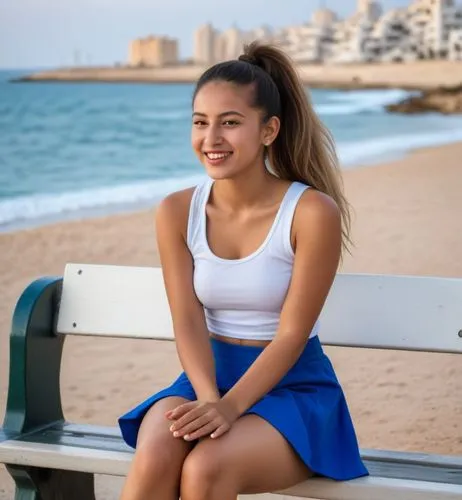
[290, 202]
[195, 219]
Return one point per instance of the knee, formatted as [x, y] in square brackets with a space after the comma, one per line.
[203, 470]
[154, 460]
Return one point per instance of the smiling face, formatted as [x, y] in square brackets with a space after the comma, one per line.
[228, 134]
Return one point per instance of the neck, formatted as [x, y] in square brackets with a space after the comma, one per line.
[244, 191]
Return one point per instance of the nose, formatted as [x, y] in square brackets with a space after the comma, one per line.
[213, 136]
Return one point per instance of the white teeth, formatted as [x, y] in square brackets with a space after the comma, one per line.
[217, 156]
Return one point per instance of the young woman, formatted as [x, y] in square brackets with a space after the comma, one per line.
[248, 259]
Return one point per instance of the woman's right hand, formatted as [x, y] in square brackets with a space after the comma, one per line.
[197, 419]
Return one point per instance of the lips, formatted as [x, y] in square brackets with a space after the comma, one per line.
[212, 155]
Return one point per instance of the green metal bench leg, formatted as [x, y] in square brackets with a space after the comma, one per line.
[25, 487]
[33, 483]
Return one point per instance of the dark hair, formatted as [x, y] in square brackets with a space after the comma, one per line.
[304, 149]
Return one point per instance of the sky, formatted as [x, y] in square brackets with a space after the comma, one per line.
[51, 33]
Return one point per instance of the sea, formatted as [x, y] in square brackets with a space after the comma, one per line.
[77, 150]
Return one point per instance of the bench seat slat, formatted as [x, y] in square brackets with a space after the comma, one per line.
[375, 488]
[100, 461]
[377, 311]
[88, 440]
[450, 461]
[108, 442]
[64, 432]
[86, 429]
[112, 434]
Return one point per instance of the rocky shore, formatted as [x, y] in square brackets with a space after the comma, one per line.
[446, 100]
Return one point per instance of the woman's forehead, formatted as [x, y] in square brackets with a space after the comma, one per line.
[219, 96]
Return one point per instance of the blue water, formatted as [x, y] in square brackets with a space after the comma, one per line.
[73, 150]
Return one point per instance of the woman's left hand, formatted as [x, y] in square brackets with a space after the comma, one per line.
[198, 419]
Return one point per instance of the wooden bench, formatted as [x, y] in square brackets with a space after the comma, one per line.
[50, 458]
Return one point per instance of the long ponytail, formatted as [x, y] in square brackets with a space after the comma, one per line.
[304, 149]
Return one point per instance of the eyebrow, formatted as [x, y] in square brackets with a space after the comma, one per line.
[221, 115]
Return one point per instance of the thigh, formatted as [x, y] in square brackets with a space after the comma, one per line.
[256, 456]
[155, 431]
[159, 457]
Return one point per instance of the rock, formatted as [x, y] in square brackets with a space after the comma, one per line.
[446, 100]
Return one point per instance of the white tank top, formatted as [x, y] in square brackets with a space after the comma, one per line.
[243, 298]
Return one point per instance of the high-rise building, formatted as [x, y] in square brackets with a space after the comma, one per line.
[204, 44]
[370, 9]
[424, 29]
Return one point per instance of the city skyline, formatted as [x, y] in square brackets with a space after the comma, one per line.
[46, 33]
[424, 29]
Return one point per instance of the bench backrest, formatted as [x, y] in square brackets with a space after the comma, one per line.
[375, 311]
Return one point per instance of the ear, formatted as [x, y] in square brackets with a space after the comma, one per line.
[270, 130]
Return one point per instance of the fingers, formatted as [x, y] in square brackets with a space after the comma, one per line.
[220, 431]
[195, 420]
[206, 430]
[192, 426]
[194, 414]
[211, 429]
[214, 428]
[180, 410]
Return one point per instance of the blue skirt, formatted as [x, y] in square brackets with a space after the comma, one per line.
[307, 407]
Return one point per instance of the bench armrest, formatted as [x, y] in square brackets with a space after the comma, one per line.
[34, 398]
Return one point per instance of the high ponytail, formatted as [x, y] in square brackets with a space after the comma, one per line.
[304, 149]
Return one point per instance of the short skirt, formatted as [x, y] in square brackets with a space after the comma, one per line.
[307, 407]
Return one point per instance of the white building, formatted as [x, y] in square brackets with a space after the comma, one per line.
[425, 29]
[204, 44]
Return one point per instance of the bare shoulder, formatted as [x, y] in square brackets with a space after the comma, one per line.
[174, 208]
[317, 209]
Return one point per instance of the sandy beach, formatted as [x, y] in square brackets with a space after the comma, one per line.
[418, 75]
[407, 221]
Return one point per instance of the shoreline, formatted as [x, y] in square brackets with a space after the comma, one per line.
[419, 76]
[132, 209]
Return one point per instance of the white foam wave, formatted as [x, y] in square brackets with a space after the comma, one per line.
[353, 102]
[384, 148]
[38, 209]
[17, 211]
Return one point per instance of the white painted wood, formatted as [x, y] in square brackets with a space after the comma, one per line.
[115, 301]
[375, 488]
[377, 311]
[398, 312]
[117, 464]
[92, 432]
[63, 457]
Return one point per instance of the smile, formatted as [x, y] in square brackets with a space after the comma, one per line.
[218, 156]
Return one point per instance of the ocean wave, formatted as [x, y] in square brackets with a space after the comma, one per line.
[163, 115]
[355, 102]
[385, 148]
[38, 209]
[16, 212]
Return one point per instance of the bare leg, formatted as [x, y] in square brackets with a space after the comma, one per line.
[155, 471]
[253, 457]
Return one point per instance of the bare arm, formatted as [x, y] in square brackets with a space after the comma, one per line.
[191, 334]
[317, 229]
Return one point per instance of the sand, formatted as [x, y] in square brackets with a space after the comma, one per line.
[407, 221]
[418, 75]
